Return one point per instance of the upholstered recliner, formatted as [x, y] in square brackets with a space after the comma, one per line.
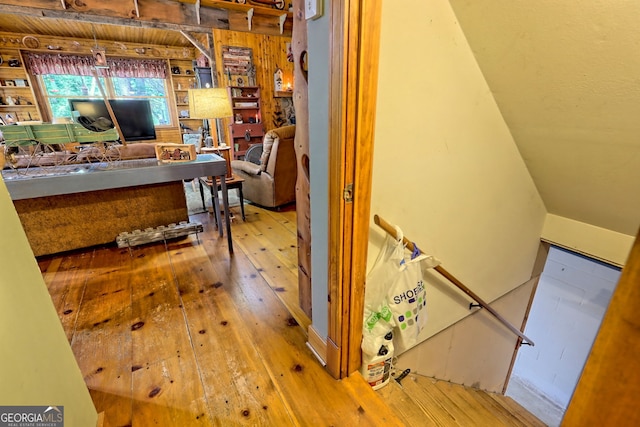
[271, 180]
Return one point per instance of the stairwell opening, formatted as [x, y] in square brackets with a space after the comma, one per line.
[570, 301]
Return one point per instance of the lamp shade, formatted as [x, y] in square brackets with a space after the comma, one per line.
[212, 103]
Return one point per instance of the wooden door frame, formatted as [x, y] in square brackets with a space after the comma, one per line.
[353, 85]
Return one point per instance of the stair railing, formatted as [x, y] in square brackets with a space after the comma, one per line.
[481, 303]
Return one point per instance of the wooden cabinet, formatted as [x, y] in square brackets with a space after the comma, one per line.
[183, 78]
[246, 126]
[17, 100]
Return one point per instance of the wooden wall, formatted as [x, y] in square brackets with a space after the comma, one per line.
[113, 49]
[269, 53]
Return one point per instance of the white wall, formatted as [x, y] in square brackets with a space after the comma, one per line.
[446, 169]
[572, 296]
[37, 366]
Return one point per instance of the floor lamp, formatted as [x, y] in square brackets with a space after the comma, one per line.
[210, 103]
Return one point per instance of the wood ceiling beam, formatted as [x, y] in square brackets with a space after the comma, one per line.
[204, 50]
[164, 14]
[251, 17]
[83, 46]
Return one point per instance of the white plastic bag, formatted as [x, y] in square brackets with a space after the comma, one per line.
[407, 300]
[395, 296]
[378, 318]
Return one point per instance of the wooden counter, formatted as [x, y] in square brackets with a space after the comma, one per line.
[76, 206]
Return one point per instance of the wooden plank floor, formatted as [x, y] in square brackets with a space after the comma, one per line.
[421, 401]
[185, 335]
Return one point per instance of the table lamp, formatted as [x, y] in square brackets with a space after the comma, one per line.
[210, 103]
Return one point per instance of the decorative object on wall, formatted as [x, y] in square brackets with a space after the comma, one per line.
[237, 61]
[99, 53]
[30, 42]
[202, 61]
[251, 74]
[99, 57]
[278, 80]
[289, 52]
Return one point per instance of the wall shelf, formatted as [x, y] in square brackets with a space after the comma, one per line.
[246, 126]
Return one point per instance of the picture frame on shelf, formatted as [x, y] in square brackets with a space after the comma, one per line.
[9, 83]
[20, 82]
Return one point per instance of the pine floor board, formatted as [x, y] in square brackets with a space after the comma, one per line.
[401, 403]
[427, 401]
[101, 340]
[67, 287]
[281, 344]
[236, 384]
[431, 405]
[187, 335]
[274, 251]
[463, 401]
[517, 411]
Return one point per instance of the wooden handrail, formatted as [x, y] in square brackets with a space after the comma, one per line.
[392, 231]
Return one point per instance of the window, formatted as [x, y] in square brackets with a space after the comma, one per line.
[59, 88]
[73, 76]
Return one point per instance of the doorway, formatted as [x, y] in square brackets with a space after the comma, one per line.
[570, 301]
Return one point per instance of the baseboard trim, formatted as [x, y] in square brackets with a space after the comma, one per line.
[317, 344]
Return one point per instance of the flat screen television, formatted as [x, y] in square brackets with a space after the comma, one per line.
[133, 115]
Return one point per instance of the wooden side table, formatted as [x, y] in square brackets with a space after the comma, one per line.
[224, 152]
[233, 183]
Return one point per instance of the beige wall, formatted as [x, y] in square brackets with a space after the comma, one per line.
[446, 169]
[596, 242]
[37, 366]
[475, 351]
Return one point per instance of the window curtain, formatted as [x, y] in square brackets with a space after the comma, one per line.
[80, 65]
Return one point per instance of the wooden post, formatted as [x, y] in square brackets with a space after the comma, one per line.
[108, 104]
[301, 105]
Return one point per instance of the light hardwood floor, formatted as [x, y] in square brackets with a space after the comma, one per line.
[186, 335]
